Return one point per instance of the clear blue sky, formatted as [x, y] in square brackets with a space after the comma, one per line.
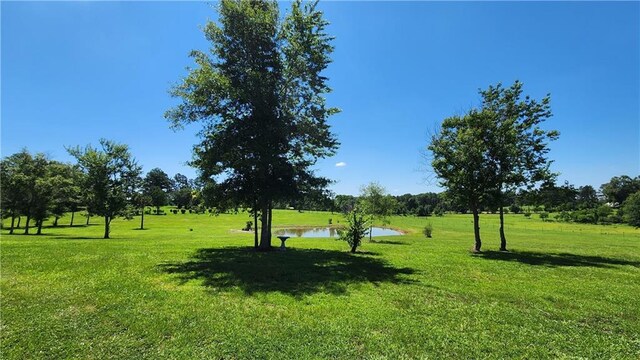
[73, 72]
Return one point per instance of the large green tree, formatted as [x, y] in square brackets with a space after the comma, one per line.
[157, 186]
[517, 143]
[631, 209]
[12, 185]
[20, 172]
[111, 179]
[619, 188]
[260, 96]
[459, 159]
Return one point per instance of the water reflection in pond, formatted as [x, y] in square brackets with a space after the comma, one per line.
[328, 232]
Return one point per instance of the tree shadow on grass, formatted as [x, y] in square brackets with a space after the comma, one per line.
[296, 272]
[555, 260]
[389, 242]
[68, 237]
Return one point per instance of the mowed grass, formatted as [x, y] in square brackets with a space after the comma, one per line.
[190, 286]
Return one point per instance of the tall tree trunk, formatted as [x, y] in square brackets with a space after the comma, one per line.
[255, 225]
[13, 219]
[353, 248]
[55, 221]
[106, 227]
[88, 217]
[73, 214]
[503, 239]
[26, 226]
[476, 228]
[39, 224]
[370, 232]
[19, 220]
[265, 239]
[270, 218]
[157, 210]
[142, 220]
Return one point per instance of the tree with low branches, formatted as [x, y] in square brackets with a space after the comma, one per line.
[517, 143]
[111, 177]
[460, 161]
[260, 96]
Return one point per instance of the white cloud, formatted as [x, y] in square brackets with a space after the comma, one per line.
[341, 164]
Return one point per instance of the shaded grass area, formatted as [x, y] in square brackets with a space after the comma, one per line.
[296, 271]
[553, 260]
[190, 286]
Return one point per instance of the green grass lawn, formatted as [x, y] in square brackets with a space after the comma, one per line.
[191, 287]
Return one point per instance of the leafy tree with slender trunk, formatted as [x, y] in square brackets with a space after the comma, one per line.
[15, 182]
[459, 159]
[27, 191]
[375, 201]
[356, 229]
[111, 175]
[65, 181]
[517, 144]
[260, 96]
[157, 186]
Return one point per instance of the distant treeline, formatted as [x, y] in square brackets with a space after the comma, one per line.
[582, 204]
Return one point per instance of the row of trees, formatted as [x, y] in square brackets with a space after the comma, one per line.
[482, 155]
[106, 181]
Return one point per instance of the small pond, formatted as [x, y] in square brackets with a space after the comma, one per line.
[321, 232]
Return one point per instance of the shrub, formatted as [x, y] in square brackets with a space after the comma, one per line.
[248, 226]
[544, 216]
[428, 229]
[438, 211]
[330, 221]
[603, 212]
[527, 214]
[515, 209]
[183, 211]
[584, 216]
[563, 216]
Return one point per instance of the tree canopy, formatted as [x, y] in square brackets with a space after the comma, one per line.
[259, 94]
[517, 145]
[460, 161]
[111, 178]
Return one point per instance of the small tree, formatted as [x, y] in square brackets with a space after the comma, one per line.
[375, 202]
[357, 228]
[111, 178]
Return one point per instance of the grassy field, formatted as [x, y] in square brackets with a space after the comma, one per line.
[190, 287]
